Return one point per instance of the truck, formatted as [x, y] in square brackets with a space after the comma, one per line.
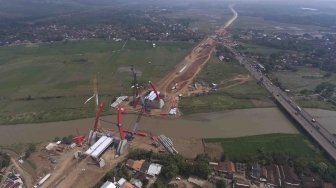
[298, 109]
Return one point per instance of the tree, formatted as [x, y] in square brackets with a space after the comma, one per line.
[201, 166]
[220, 184]
[4, 160]
[67, 140]
[170, 170]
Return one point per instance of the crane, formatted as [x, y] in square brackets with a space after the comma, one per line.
[130, 134]
[99, 108]
[98, 112]
[119, 122]
[156, 93]
[135, 87]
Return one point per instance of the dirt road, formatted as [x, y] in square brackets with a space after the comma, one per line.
[184, 73]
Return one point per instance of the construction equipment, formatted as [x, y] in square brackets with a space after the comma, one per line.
[98, 112]
[135, 87]
[119, 122]
[156, 93]
[99, 109]
[79, 139]
[130, 134]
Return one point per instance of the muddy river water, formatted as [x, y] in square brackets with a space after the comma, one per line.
[233, 123]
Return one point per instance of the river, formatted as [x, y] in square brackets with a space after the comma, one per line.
[233, 123]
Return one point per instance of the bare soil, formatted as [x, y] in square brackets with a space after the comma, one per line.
[213, 150]
[263, 103]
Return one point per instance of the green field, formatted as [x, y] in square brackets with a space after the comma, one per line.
[239, 149]
[259, 50]
[236, 97]
[306, 79]
[216, 71]
[50, 82]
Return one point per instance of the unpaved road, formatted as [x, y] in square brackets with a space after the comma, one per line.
[184, 73]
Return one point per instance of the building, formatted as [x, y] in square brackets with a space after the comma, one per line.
[291, 178]
[121, 182]
[226, 168]
[154, 169]
[108, 184]
[137, 165]
[255, 172]
[137, 183]
[129, 163]
[241, 168]
[127, 185]
[241, 183]
[263, 174]
[144, 167]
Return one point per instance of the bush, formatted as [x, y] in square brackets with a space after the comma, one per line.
[4, 160]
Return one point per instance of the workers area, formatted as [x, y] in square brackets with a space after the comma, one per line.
[103, 148]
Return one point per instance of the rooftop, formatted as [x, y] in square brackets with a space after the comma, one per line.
[154, 169]
[137, 164]
[108, 184]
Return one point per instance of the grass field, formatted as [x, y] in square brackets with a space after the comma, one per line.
[260, 50]
[216, 71]
[49, 82]
[297, 145]
[306, 79]
[236, 97]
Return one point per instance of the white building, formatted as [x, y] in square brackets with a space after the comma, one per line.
[154, 169]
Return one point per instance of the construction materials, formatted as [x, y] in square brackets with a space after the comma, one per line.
[45, 178]
[99, 147]
[118, 101]
[101, 163]
[168, 144]
[79, 155]
[122, 146]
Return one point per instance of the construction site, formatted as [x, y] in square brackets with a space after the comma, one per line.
[85, 160]
[93, 154]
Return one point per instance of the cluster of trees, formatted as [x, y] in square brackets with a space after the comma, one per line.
[30, 149]
[174, 165]
[221, 50]
[325, 89]
[4, 160]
